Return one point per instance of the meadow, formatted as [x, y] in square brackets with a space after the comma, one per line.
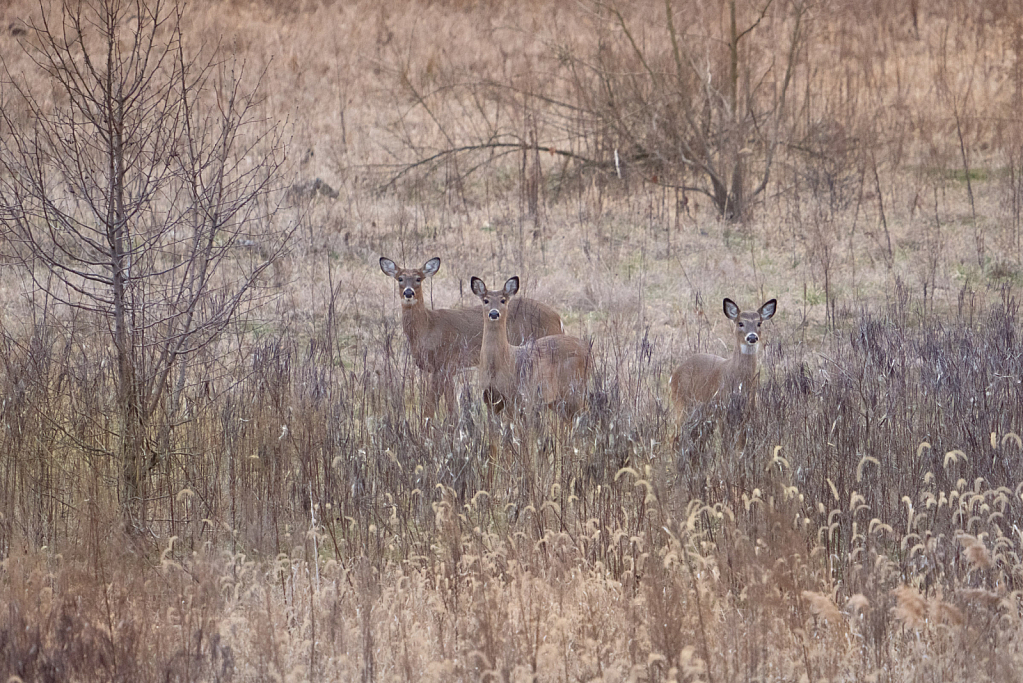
[287, 509]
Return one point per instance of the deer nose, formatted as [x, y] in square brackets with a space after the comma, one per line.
[408, 293]
[752, 338]
[494, 314]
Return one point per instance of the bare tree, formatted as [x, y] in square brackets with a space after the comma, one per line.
[687, 99]
[143, 194]
[706, 114]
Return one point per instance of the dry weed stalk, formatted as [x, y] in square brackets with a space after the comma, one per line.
[594, 553]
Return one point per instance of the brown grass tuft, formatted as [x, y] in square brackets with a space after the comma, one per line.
[981, 596]
[857, 604]
[823, 606]
[976, 552]
[941, 612]
[910, 607]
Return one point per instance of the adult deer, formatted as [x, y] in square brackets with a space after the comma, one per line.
[551, 371]
[704, 377]
[443, 340]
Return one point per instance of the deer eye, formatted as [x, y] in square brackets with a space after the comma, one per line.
[759, 324]
[486, 301]
[504, 301]
[419, 279]
[739, 324]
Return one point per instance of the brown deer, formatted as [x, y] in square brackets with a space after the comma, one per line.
[704, 377]
[444, 340]
[551, 371]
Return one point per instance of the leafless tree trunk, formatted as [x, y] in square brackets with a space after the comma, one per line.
[135, 198]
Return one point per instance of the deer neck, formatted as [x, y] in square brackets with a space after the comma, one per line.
[415, 319]
[744, 362]
[496, 352]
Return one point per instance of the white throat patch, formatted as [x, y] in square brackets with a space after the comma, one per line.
[749, 349]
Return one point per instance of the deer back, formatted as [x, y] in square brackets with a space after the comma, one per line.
[530, 319]
[554, 371]
[698, 379]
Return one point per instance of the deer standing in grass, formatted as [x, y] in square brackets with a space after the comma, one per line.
[443, 340]
[704, 377]
[551, 371]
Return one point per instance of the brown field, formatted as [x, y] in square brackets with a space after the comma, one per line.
[293, 514]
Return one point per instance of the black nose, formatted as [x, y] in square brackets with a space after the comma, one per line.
[494, 314]
[408, 293]
[752, 338]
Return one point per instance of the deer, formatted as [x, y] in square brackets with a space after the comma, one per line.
[445, 340]
[551, 371]
[705, 377]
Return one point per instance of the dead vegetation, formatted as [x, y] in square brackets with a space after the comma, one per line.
[304, 520]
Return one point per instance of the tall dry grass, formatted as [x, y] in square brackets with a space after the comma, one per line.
[306, 521]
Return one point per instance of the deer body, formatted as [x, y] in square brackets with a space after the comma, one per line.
[551, 371]
[704, 377]
[443, 340]
[439, 339]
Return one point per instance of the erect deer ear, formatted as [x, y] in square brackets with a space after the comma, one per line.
[512, 285]
[768, 309]
[731, 309]
[479, 288]
[431, 267]
[388, 266]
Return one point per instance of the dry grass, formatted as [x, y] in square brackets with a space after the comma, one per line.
[307, 522]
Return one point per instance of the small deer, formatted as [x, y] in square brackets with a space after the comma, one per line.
[551, 371]
[703, 377]
[443, 340]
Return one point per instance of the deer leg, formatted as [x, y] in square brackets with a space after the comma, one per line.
[494, 400]
[495, 432]
[433, 391]
[574, 402]
[449, 393]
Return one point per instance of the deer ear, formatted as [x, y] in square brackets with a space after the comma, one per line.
[388, 266]
[731, 309]
[479, 288]
[768, 309]
[512, 285]
[431, 267]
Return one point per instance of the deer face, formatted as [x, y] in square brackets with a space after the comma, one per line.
[495, 303]
[410, 281]
[747, 323]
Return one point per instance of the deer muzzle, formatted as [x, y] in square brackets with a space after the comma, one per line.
[408, 293]
[752, 338]
[494, 314]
